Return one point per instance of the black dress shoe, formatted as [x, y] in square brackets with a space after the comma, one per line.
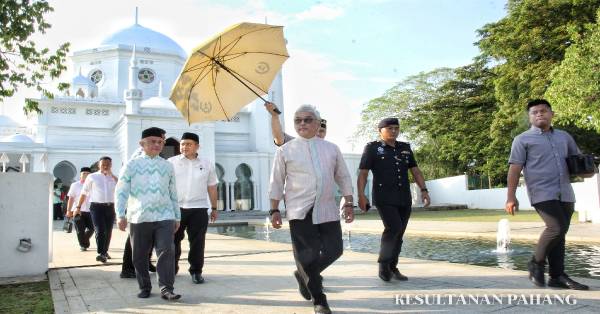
[567, 283]
[197, 278]
[127, 274]
[384, 272]
[397, 275]
[536, 273]
[322, 309]
[82, 248]
[302, 288]
[151, 268]
[101, 258]
[107, 256]
[144, 294]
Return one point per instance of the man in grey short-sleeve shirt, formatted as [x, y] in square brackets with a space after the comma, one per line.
[541, 153]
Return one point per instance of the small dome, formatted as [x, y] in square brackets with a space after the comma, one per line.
[158, 103]
[82, 80]
[8, 121]
[17, 138]
[143, 37]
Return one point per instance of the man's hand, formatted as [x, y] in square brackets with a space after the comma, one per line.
[177, 224]
[512, 205]
[271, 108]
[122, 223]
[425, 198]
[363, 203]
[348, 214]
[276, 220]
[69, 214]
[213, 215]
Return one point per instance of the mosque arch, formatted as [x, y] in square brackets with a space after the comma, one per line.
[65, 171]
[221, 188]
[243, 188]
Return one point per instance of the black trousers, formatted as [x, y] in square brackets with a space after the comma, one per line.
[551, 245]
[103, 216]
[195, 222]
[127, 266]
[315, 246]
[395, 219]
[142, 235]
[57, 211]
[84, 227]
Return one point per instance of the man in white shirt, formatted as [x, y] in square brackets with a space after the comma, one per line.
[84, 227]
[305, 173]
[99, 189]
[196, 184]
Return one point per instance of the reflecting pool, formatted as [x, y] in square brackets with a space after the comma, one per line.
[582, 260]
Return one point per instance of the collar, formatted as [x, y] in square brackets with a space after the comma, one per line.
[537, 130]
[382, 143]
[314, 138]
[146, 156]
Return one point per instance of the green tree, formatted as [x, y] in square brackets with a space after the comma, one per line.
[456, 123]
[526, 45]
[21, 62]
[575, 88]
[400, 101]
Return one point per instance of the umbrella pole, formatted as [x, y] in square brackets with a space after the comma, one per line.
[237, 78]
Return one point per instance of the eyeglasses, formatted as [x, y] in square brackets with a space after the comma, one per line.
[305, 120]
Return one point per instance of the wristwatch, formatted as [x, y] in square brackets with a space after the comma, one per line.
[424, 190]
[213, 208]
[272, 211]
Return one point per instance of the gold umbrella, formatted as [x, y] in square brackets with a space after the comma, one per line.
[229, 71]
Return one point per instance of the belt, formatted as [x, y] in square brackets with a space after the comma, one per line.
[103, 204]
[193, 208]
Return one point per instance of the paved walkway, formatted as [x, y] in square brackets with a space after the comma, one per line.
[250, 276]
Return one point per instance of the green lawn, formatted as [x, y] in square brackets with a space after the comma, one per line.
[32, 297]
[470, 215]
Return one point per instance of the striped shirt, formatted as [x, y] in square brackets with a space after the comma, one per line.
[305, 173]
[147, 190]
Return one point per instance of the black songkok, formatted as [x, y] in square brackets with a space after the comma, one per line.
[387, 122]
[153, 131]
[190, 136]
[85, 169]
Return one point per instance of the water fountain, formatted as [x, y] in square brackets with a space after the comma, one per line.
[267, 230]
[503, 236]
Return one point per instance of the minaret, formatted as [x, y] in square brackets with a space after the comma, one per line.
[133, 95]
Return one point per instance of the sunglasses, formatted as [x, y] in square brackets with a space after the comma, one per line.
[305, 120]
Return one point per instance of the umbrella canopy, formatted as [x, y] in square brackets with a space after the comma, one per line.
[229, 71]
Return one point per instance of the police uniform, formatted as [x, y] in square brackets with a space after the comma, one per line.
[391, 193]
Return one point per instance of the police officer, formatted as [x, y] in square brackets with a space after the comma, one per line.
[390, 160]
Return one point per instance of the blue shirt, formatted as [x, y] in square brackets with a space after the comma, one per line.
[543, 157]
[147, 190]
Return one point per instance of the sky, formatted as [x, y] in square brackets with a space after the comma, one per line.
[342, 52]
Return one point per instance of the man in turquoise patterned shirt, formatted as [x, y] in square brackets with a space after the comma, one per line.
[147, 190]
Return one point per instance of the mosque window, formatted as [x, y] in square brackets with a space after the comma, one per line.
[96, 76]
[146, 76]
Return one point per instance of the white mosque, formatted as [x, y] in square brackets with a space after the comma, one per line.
[120, 88]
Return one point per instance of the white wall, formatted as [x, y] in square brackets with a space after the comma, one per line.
[25, 206]
[453, 190]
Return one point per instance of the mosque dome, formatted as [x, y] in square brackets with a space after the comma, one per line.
[143, 37]
[82, 80]
[17, 138]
